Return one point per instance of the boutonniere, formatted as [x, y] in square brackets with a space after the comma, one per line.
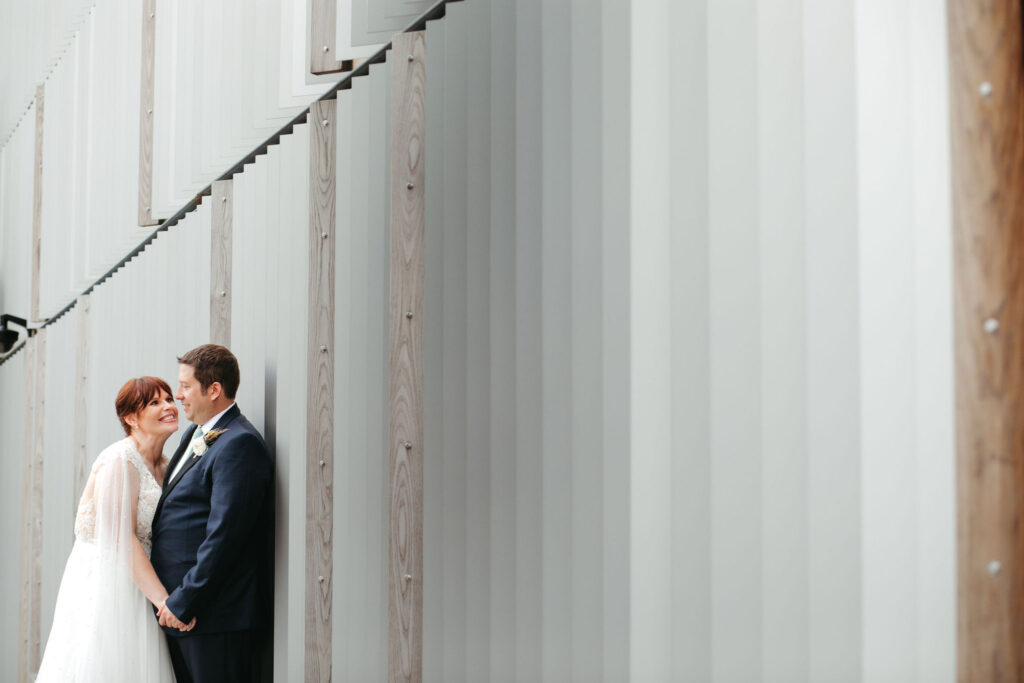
[200, 444]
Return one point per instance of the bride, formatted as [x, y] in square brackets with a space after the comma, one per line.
[103, 630]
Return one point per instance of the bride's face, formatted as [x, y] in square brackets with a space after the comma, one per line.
[159, 416]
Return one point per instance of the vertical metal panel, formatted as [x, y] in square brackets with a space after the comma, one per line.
[405, 565]
[446, 647]
[16, 213]
[935, 452]
[478, 341]
[833, 349]
[32, 38]
[214, 93]
[360, 638]
[58, 258]
[556, 362]
[587, 344]
[530, 635]
[616, 170]
[467, 268]
[370, 22]
[735, 372]
[500, 88]
[783, 321]
[433, 349]
[885, 178]
[292, 363]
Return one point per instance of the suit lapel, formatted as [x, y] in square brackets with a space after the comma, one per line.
[178, 455]
[222, 423]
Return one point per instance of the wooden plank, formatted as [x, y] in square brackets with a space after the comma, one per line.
[25, 601]
[322, 39]
[320, 391]
[146, 99]
[405, 556]
[37, 205]
[29, 652]
[81, 403]
[39, 407]
[221, 217]
[987, 157]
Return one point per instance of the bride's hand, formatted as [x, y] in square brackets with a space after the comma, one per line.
[191, 625]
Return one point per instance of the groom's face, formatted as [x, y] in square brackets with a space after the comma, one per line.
[198, 408]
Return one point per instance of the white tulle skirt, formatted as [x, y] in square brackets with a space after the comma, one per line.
[102, 632]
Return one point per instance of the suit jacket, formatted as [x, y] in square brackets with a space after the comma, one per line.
[211, 531]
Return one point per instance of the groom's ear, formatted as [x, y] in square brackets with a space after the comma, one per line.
[215, 391]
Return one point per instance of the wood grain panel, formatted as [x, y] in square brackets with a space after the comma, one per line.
[25, 601]
[221, 217]
[146, 99]
[37, 205]
[405, 565]
[323, 37]
[81, 404]
[987, 105]
[29, 652]
[38, 408]
[320, 391]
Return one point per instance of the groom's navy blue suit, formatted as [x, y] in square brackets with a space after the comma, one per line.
[210, 547]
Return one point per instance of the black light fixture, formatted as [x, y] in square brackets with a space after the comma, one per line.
[8, 338]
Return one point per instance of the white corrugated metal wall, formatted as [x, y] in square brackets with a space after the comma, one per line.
[688, 376]
[16, 166]
[526, 529]
[791, 320]
[268, 334]
[361, 379]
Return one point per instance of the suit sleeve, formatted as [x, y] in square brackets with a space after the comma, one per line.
[240, 474]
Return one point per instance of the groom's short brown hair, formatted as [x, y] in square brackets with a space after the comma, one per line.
[213, 363]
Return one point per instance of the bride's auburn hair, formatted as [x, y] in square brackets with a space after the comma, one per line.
[134, 396]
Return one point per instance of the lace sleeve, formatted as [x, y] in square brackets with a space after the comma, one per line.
[115, 494]
[115, 497]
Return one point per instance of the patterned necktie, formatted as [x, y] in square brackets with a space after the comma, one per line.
[198, 434]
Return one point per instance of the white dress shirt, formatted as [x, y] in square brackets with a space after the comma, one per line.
[206, 427]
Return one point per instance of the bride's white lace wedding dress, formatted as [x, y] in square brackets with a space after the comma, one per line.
[103, 626]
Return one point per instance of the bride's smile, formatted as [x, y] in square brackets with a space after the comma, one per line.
[158, 416]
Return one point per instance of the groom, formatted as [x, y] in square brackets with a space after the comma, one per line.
[211, 526]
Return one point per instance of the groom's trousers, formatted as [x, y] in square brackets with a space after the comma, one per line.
[212, 658]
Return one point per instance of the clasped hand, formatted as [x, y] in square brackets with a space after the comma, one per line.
[166, 618]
